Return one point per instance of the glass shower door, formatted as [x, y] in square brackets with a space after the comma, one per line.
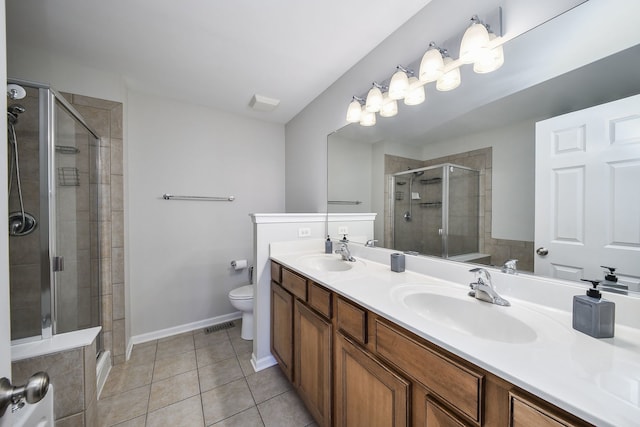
[75, 249]
[463, 216]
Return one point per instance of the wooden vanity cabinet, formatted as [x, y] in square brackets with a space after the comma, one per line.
[367, 393]
[354, 368]
[313, 336]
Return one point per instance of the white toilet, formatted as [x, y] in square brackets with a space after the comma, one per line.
[242, 299]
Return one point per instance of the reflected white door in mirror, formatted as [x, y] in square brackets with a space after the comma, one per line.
[588, 194]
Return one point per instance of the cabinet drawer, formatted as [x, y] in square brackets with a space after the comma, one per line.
[459, 386]
[438, 416]
[295, 284]
[352, 320]
[320, 299]
[524, 413]
[276, 271]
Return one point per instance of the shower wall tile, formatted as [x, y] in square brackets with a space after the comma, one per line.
[117, 265]
[118, 337]
[117, 199]
[107, 313]
[76, 420]
[116, 121]
[86, 101]
[104, 173]
[117, 229]
[104, 207]
[116, 156]
[97, 119]
[25, 249]
[104, 268]
[105, 238]
[118, 301]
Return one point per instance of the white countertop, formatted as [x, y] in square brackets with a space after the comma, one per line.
[595, 379]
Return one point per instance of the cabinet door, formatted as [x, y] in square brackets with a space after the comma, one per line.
[526, 413]
[282, 328]
[312, 338]
[367, 393]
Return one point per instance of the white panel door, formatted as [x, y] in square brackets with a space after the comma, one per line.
[588, 192]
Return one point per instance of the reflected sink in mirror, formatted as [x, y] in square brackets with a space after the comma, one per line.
[466, 315]
[327, 262]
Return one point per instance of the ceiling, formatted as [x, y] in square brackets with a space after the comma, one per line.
[213, 53]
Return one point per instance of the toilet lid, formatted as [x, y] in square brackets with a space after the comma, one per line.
[243, 292]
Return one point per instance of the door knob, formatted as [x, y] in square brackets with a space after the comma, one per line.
[542, 251]
[33, 391]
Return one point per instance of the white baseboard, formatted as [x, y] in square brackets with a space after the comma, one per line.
[264, 363]
[163, 333]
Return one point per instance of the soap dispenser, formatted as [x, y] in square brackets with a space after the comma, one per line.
[610, 277]
[328, 246]
[592, 314]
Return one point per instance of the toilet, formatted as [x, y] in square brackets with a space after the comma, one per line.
[242, 299]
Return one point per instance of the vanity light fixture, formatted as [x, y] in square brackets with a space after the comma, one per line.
[489, 60]
[374, 98]
[354, 112]
[389, 106]
[368, 118]
[399, 84]
[475, 41]
[415, 93]
[432, 64]
[451, 77]
[480, 46]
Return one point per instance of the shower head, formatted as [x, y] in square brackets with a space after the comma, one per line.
[13, 111]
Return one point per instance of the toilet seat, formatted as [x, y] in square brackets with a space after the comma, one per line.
[243, 292]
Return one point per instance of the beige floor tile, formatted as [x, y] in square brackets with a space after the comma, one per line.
[225, 401]
[173, 389]
[136, 422]
[236, 329]
[173, 337]
[173, 346]
[219, 373]
[204, 340]
[248, 418]
[214, 353]
[186, 413]
[123, 406]
[174, 365]
[245, 364]
[143, 353]
[242, 347]
[284, 410]
[268, 383]
[125, 377]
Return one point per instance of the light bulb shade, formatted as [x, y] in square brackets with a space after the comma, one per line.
[474, 43]
[354, 112]
[389, 106]
[415, 94]
[431, 66]
[490, 60]
[399, 85]
[451, 77]
[368, 118]
[374, 100]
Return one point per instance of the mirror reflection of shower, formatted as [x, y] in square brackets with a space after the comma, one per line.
[407, 215]
[21, 223]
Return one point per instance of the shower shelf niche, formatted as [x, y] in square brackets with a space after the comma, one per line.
[66, 149]
[431, 205]
[68, 177]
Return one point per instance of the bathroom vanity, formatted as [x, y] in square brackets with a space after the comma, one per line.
[365, 346]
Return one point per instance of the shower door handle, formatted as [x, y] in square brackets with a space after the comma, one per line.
[57, 263]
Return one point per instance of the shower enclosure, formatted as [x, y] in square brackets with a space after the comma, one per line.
[53, 160]
[436, 210]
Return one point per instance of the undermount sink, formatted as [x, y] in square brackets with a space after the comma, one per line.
[326, 262]
[466, 315]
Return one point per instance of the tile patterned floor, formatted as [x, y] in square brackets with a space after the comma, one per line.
[195, 380]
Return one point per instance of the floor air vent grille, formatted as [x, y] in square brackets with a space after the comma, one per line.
[218, 327]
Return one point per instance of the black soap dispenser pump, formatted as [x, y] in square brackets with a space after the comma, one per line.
[592, 314]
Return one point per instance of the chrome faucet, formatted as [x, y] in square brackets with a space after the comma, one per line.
[343, 250]
[509, 266]
[483, 289]
[371, 243]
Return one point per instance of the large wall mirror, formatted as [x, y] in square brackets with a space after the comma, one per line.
[463, 164]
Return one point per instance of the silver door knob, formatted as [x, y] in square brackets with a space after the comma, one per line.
[542, 251]
[33, 391]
